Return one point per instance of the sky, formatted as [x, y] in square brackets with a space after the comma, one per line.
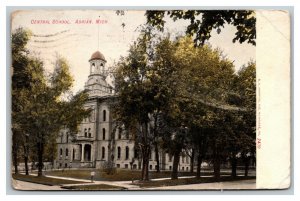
[55, 32]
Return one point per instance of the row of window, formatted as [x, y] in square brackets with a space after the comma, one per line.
[119, 152]
[67, 153]
[134, 166]
[87, 133]
[91, 118]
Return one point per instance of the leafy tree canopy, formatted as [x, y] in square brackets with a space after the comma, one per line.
[202, 22]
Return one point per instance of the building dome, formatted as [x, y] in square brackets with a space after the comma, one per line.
[97, 55]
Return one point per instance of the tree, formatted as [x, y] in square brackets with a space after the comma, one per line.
[245, 84]
[206, 78]
[39, 111]
[135, 97]
[184, 91]
[21, 79]
[202, 22]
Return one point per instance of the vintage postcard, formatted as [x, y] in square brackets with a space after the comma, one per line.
[150, 99]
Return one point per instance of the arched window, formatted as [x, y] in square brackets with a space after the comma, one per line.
[127, 153]
[90, 134]
[60, 152]
[67, 152]
[103, 152]
[85, 132]
[74, 152]
[104, 115]
[103, 133]
[119, 152]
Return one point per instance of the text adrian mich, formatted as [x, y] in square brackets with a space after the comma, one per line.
[67, 21]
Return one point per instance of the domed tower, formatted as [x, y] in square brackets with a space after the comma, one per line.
[96, 84]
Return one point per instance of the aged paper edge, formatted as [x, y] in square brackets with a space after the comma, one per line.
[273, 99]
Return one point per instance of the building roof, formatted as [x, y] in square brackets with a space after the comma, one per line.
[97, 55]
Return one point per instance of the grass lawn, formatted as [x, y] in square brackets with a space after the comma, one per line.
[169, 182]
[96, 187]
[44, 180]
[120, 175]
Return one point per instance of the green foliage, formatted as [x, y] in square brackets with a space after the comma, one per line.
[202, 22]
[187, 87]
[38, 109]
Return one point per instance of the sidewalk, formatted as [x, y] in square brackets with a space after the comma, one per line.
[129, 185]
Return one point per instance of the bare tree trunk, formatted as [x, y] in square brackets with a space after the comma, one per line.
[40, 148]
[155, 143]
[199, 162]
[26, 159]
[145, 152]
[15, 148]
[15, 158]
[192, 161]
[145, 165]
[26, 154]
[246, 166]
[217, 165]
[157, 157]
[233, 166]
[174, 174]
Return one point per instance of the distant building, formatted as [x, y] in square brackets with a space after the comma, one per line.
[99, 140]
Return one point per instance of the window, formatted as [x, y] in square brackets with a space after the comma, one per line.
[118, 166]
[135, 153]
[90, 134]
[170, 157]
[61, 137]
[126, 166]
[67, 152]
[74, 152]
[187, 168]
[103, 152]
[170, 167]
[60, 153]
[120, 133]
[119, 152]
[85, 132]
[127, 153]
[103, 133]
[182, 168]
[150, 167]
[67, 137]
[104, 115]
